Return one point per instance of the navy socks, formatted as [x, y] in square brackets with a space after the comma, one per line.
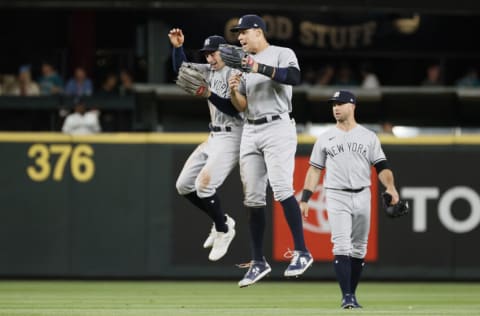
[293, 215]
[212, 205]
[256, 223]
[357, 267]
[342, 265]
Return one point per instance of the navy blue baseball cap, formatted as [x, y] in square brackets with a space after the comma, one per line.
[211, 43]
[343, 96]
[249, 21]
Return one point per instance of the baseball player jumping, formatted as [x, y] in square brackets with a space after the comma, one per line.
[269, 140]
[347, 151]
[212, 161]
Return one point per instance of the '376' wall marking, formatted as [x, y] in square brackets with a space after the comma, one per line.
[82, 166]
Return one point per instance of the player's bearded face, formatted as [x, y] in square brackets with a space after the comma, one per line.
[342, 112]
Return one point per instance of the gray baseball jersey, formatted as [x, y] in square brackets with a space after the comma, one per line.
[266, 96]
[348, 157]
[267, 151]
[218, 83]
[213, 160]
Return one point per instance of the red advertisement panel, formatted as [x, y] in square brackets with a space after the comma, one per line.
[316, 227]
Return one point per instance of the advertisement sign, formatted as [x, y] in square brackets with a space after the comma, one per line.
[316, 227]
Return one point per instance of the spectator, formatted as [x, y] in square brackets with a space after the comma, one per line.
[25, 86]
[434, 76]
[81, 121]
[109, 86]
[79, 85]
[344, 77]
[309, 76]
[470, 79]
[50, 82]
[369, 78]
[326, 75]
[126, 83]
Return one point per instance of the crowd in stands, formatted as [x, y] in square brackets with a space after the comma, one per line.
[51, 83]
[343, 75]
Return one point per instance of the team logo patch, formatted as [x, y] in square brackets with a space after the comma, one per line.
[337, 94]
[240, 21]
[207, 42]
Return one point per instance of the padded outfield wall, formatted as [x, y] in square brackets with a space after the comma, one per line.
[106, 206]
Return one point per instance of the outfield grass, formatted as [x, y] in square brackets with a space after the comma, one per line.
[52, 298]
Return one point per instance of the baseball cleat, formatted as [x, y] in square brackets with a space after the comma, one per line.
[222, 241]
[301, 261]
[211, 237]
[347, 302]
[213, 232]
[257, 270]
[355, 302]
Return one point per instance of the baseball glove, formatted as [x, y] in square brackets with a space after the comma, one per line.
[192, 81]
[233, 57]
[396, 210]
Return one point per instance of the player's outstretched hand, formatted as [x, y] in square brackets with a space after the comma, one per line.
[304, 208]
[176, 37]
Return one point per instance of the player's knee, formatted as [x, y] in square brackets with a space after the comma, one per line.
[203, 185]
[359, 250]
[182, 187]
[342, 250]
[281, 195]
[254, 202]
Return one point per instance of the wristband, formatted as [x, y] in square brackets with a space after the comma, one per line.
[306, 195]
[265, 70]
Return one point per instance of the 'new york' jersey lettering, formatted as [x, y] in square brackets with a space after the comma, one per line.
[347, 156]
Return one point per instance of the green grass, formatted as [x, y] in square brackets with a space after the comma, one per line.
[52, 298]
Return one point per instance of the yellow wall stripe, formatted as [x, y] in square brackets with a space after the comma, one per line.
[196, 138]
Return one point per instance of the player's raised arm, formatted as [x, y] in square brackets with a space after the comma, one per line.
[178, 55]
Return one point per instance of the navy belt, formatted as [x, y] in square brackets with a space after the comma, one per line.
[219, 128]
[263, 120]
[349, 190]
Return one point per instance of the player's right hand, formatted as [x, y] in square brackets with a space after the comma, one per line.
[176, 37]
[304, 209]
[234, 81]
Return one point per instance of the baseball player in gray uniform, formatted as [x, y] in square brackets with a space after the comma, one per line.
[269, 141]
[212, 161]
[347, 151]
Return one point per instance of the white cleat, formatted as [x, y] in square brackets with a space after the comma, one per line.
[211, 238]
[222, 241]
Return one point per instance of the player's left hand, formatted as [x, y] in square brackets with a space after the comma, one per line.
[249, 64]
[176, 37]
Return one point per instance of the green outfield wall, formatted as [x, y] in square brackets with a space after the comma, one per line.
[106, 206]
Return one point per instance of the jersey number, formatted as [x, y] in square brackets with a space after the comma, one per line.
[81, 163]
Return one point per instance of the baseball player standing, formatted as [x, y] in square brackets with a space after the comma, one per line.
[269, 141]
[347, 151]
[212, 161]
